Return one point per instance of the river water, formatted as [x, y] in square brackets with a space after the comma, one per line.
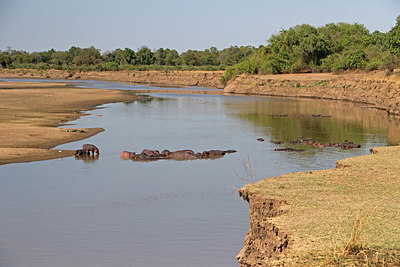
[113, 212]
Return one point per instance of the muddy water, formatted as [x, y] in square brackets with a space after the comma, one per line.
[111, 212]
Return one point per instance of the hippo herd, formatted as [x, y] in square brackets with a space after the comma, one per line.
[310, 141]
[185, 154]
[90, 151]
[299, 116]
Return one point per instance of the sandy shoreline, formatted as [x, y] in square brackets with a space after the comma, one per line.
[31, 112]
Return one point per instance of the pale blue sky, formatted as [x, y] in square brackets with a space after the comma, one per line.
[39, 25]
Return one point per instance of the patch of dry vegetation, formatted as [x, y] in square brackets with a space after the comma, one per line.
[347, 214]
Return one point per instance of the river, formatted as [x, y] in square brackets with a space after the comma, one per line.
[114, 212]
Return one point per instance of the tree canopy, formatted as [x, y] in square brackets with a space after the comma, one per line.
[302, 48]
[333, 47]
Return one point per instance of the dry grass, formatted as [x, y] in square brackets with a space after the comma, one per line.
[324, 204]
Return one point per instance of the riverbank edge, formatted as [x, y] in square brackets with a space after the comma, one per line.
[273, 240]
[377, 90]
[208, 79]
[268, 242]
[30, 135]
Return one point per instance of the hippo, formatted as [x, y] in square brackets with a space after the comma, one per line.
[127, 155]
[89, 148]
[165, 152]
[349, 145]
[150, 153]
[260, 139]
[144, 157]
[183, 155]
[188, 151]
[80, 152]
[288, 149]
[216, 153]
[87, 157]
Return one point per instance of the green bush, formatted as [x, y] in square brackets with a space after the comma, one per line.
[107, 66]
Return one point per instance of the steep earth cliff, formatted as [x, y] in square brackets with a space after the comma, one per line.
[375, 89]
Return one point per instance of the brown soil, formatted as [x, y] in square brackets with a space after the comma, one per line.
[209, 79]
[30, 113]
[374, 88]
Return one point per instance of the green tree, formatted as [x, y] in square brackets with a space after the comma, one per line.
[86, 56]
[144, 56]
[393, 38]
[193, 58]
[160, 56]
[299, 48]
[129, 56]
[21, 57]
[211, 56]
[59, 58]
[172, 58]
[5, 59]
[379, 39]
[234, 54]
[119, 57]
[46, 55]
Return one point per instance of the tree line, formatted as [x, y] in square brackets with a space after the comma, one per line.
[90, 58]
[333, 47]
[302, 48]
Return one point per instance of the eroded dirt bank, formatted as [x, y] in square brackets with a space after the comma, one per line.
[209, 79]
[374, 88]
[264, 242]
[30, 113]
[308, 219]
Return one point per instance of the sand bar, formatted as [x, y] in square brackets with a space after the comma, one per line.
[31, 111]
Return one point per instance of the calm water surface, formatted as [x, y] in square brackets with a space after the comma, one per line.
[111, 212]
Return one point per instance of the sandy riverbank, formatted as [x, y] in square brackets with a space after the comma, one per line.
[30, 113]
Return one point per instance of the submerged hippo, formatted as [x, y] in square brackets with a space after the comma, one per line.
[80, 152]
[186, 154]
[89, 148]
[289, 149]
[127, 155]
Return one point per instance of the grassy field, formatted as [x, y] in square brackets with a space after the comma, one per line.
[345, 216]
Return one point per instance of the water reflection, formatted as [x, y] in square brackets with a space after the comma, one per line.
[87, 158]
[339, 120]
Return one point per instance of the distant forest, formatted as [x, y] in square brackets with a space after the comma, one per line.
[302, 48]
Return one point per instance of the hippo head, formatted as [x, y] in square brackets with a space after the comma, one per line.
[165, 152]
